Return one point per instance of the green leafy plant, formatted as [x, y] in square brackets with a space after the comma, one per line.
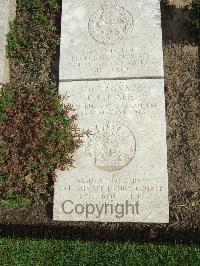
[37, 134]
[14, 201]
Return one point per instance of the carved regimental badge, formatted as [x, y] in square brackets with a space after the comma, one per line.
[110, 24]
[112, 146]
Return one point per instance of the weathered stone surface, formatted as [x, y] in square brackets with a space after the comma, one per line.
[111, 39]
[7, 13]
[123, 160]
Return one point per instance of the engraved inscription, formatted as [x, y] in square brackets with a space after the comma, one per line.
[111, 24]
[121, 61]
[115, 146]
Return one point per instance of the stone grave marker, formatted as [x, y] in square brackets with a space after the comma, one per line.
[111, 39]
[111, 67]
[7, 13]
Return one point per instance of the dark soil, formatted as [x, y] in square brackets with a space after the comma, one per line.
[181, 59]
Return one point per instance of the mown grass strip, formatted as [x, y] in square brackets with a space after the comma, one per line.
[60, 252]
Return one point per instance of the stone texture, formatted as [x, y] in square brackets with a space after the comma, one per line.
[111, 39]
[7, 13]
[124, 159]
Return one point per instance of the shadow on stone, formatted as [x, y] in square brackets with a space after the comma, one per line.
[55, 65]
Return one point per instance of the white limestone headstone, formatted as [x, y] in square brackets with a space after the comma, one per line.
[124, 158]
[111, 67]
[111, 39]
[7, 13]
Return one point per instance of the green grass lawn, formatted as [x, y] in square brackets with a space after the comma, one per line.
[59, 252]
